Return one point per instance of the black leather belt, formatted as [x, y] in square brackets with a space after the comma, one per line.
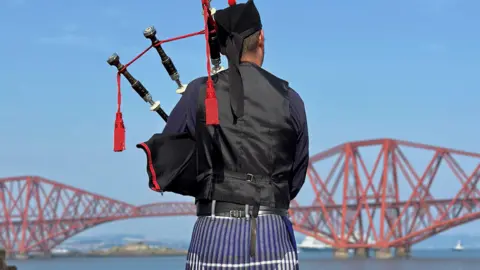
[225, 209]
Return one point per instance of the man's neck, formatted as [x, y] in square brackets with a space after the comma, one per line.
[250, 59]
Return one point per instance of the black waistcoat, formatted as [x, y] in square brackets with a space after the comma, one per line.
[247, 160]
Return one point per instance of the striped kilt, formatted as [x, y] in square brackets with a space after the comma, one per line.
[224, 243]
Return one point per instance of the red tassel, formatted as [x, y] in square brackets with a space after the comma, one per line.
[211, 105]
[232, 2]
[119, 134]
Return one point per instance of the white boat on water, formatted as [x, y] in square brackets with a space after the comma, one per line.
[60, 251]
[458, 247]
[312, 244]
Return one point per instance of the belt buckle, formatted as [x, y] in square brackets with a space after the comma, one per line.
[249, 177]
[235, 213]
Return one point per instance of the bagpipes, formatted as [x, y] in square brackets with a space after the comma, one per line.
[213, 57]
[172, 172]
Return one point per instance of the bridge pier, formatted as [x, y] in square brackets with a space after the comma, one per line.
[341, 253]
[383, 253]
[403, 252]
[361, 253]
[21, 256]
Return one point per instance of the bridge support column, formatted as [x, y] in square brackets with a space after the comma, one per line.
[402, 252]
[340, 253]
[383, 253]
[21, 256]
[361, 252]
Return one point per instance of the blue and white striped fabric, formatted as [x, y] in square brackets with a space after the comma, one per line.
[224, 243]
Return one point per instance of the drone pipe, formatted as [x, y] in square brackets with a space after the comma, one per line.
[212, 39]
[114, 60]
[150, 33]
[119, 131]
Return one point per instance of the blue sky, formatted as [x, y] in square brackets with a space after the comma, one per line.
[365, 69]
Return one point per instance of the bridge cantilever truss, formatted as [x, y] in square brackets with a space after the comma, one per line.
[38, 214]
[353, 206]
[357, 205]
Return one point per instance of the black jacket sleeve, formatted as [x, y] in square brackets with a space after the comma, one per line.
[302, 149]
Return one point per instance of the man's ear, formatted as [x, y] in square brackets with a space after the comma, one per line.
[261, 39]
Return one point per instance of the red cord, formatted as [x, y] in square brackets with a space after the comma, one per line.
[160, 42]
[119, 130]
[211, 103]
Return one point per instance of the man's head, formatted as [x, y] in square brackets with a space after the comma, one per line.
[253, 49]
[240, 33]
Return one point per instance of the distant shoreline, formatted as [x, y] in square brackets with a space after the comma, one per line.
[87, 255]
[129, 250]
[125, 255]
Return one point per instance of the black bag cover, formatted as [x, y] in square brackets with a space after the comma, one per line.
[171, 163]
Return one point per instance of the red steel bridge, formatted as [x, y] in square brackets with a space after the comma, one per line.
[387, 202]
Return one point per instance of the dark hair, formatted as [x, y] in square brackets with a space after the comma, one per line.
[250, 44]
